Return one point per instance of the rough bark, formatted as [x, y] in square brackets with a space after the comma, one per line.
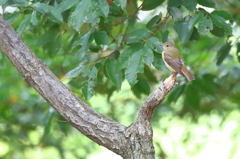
[133, 142]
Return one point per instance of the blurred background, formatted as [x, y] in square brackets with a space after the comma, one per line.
[198, 119]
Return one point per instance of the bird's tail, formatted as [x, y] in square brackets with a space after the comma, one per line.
[187, 74]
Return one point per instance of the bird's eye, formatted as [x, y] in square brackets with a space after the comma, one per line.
[167, 45]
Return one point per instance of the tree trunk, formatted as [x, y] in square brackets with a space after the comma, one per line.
[132, 142]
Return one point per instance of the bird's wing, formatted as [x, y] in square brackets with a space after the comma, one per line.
[176, 64]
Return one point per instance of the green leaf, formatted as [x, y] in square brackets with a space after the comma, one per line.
[183, 32]
[205, 86]
[142, 86]
[148, 56]
[165, 36]
[101, 37]
[16, 3]
[192, 96]
[238, 52]
[195, 35]
[126, 54]
[174, 3]
[2, 2]
[82, 40]
[87, 89]
[176, 93]
[122, 3]
[153, 21]
[207, 3]
[90, 73]
[205, 25]
[115, 76]
[217, 31]
[151, 4]
[41, 7]
[223, 53]
[222, 14]
[190, 4]
[55, 14]
[24, 24]
[34, 19]
[195, 19]
[66, 4]
[101, 7]
[139, 34]
[80, 14]
[219, 21]
[76, 71]
[154, 44]
[176, 13]
[10, 17]
[135, 65]
[158, 62]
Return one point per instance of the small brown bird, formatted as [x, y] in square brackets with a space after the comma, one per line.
[174, 61]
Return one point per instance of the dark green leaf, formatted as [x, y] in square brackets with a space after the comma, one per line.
[222, 13]
[82, 41]
[139, 34]
[80, 14]
[101, 7]
[175, 3]
[10, 17]
[205, 86]
[153, 21]
[16, 3]
[115, 76]
[219, 21]
[195, 35]
[55, 14]
[151, 4]
[90, 72]
[76, 71]
[154, 44]
[207, 3]
[126, 54]
[205, 25]
[183, 32]
[41, 7]
[165, 36]
[34, 19]
[176, 93]
[122, 3]
[192, 96]
[158, 62]
[195, 19]
[101, 37]
[135, 65]
[142, 86]
[66, 4]
[190, 4]
[24, 24]
[87, 89]
[148, 56]
[217, 31]
[176, 13]
[223, 53]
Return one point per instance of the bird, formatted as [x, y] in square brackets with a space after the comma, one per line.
[174, 61]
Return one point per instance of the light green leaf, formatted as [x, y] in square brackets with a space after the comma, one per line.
[176, 13]
[80, 14]
[165, 36]
[101, 6]
[126, 54]
[90, 72]
[76, 71]
[195, 19]
[66, 4]
[219, 21]
[101, 37]
[24, 24]
[158, 62]
[87, 89]
[183, 32]
[41, 7]
[2, 2]
[115, 76]
[82, 41]
[154, 44]
[135, 65]
[190, 4]
[139, 34]
[34, 19]
[153, 21]
[151, 4]
[205, 25]
[148, 55]
[207, 3]
[17, 3]
[223, 52]
[55, 14]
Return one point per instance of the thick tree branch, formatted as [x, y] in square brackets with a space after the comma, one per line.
[133, 142]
